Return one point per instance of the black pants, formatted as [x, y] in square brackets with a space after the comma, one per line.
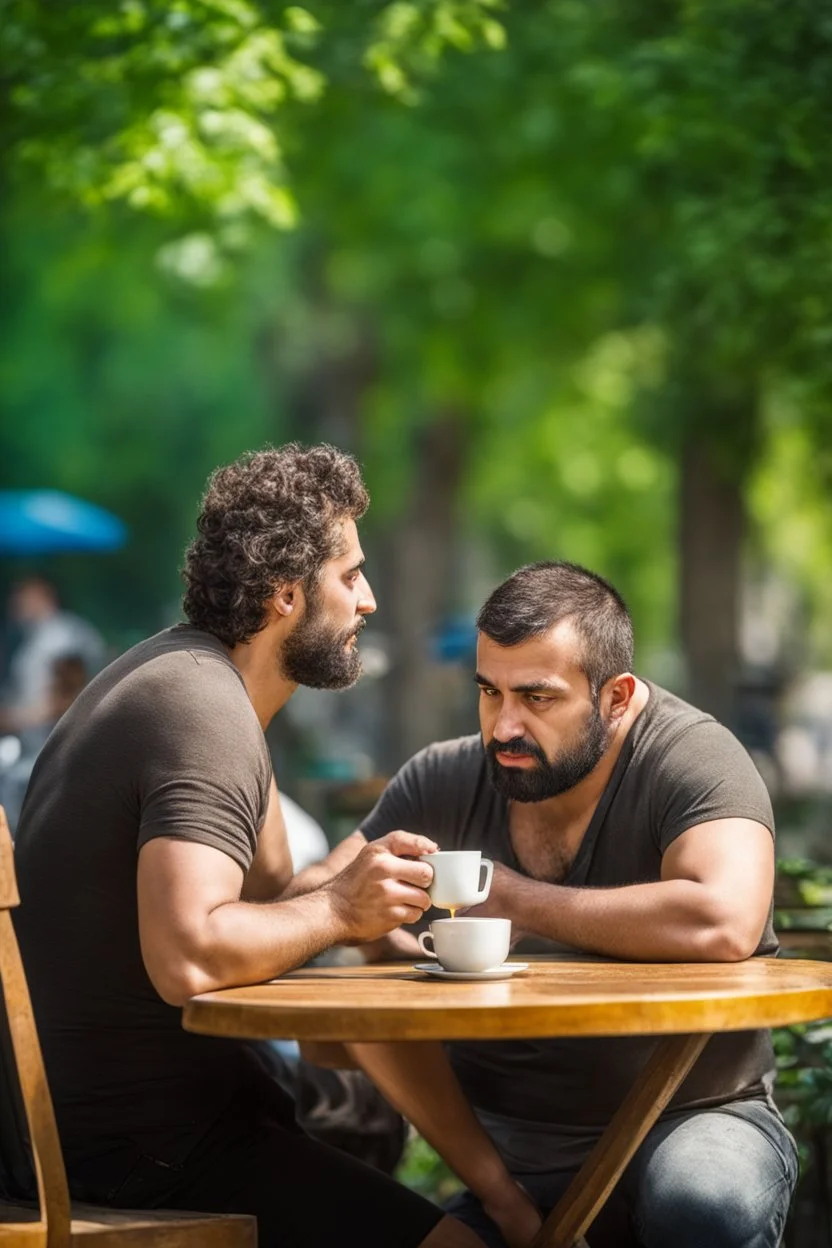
[303, 1193]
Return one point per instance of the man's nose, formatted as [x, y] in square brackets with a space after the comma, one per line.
[508, 725]
[366, 599]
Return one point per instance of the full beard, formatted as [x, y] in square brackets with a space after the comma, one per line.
[548, 779]
[320, 658]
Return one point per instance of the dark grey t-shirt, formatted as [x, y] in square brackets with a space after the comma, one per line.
[164, 742]
[546, 1101]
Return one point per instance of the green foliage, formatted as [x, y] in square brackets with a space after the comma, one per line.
[424, 1171]
[178, 107]
[804, 1081]
[600, 225]
[126, 389]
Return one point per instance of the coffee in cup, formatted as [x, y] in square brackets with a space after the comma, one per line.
[467, 944]
[461, 877]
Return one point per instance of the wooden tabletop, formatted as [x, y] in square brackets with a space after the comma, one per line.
[551, 998]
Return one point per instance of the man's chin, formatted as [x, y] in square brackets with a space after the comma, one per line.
[334, 682]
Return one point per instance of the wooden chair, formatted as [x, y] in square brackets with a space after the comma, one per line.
[54, 1223]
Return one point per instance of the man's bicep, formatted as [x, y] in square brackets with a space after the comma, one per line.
[179, 883]
[734, 858]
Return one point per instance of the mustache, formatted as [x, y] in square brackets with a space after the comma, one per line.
[517, 745]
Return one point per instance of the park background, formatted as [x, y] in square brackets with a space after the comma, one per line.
[557, 273]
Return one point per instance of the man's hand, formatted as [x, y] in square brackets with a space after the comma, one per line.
[498, 902]
[515, 1213]
[382, 887]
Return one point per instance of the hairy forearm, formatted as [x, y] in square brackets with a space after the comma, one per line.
[242, 942]
[320, 873]
[666, 921]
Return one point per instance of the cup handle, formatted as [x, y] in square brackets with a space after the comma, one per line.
[485, 888]
[423, 936]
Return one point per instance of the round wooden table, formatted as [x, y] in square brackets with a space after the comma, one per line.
[551, 998]
[684, 1003]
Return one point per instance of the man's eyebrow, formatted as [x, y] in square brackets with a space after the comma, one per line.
[537, 686]
[356, 567]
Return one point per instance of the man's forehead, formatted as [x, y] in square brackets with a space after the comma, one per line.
[552, 656]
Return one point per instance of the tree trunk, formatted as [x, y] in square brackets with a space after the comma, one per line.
[714, 468]
[419, 568]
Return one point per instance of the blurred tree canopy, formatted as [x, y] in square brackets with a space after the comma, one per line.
[179, 105]
[556, 271]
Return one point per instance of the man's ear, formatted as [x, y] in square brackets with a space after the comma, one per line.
[287, 599]
[620, 693]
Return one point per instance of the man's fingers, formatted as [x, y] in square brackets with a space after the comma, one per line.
[417, 898]
[410, 871]
[409, 844]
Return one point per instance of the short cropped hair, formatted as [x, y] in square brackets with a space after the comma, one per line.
[268, 519]
[540, 595]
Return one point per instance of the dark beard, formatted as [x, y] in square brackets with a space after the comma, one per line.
[536, 784]
[316, 656]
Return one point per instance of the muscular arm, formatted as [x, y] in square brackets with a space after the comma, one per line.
[271, 870]
[418, 1080]
[710, 904]
[198, 934]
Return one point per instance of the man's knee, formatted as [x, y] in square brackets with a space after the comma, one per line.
[691, 1214]
[719, 1183]
[451, 1233]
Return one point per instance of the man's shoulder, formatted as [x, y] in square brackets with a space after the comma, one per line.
[678, 740]
[453, 758]
[180, 674]
[178, 652]
[668, 720]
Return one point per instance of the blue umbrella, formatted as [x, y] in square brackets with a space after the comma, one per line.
[46, 522]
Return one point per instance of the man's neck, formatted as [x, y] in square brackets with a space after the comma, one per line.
[258, 662]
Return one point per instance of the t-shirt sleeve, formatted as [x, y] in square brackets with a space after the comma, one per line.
[400, 805]
[434, 794]
[205, 770]
[704, 775]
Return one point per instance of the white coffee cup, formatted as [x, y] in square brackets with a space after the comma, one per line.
[458, 877]
[467, 944]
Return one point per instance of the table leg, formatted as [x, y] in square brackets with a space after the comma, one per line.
[589, 1190]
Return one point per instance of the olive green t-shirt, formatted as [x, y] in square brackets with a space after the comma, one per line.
[164, 742]
[546, 1101]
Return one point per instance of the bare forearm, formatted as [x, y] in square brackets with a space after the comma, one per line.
[321, 873]
[418, 1080]
[669, 920]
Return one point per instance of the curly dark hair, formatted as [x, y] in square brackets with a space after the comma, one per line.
[269, 518]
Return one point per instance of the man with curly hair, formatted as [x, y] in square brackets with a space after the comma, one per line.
[153, 865]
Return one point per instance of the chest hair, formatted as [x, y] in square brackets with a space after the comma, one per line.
[544, 850]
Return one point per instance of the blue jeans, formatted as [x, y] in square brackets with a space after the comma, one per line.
[716, 1178]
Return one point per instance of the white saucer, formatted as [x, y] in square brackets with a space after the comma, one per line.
[495, 972]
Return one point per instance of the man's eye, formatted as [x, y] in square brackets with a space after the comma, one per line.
[539, 699]
[488, 693]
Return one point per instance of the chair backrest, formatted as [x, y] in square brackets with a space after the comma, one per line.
[53, 1192]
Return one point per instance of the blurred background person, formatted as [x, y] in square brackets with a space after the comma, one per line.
[54, 653]
[47, 635]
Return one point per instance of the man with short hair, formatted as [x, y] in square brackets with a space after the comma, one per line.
[153, 865]
[624, 824]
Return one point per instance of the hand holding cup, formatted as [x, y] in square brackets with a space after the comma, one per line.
[384, 886]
